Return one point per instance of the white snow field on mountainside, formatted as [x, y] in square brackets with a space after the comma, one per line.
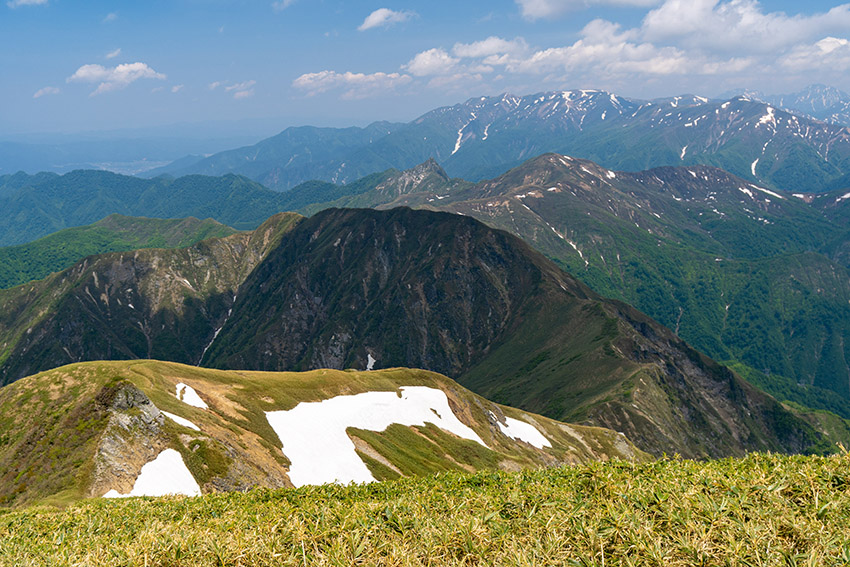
[522, 431]
[165, 475]
[314, 433]
[180, 420]
[188, 395]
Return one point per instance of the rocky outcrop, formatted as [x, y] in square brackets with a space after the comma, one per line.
[133, 436]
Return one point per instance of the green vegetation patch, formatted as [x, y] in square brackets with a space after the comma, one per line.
[116, 233]
[762, 510]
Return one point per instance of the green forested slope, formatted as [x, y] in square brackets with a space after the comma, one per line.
[35, 260]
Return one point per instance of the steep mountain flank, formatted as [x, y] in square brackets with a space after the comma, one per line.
[99, 428]
[445, 293]
[146, 303]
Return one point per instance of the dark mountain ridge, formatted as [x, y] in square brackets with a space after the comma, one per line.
[401, 287]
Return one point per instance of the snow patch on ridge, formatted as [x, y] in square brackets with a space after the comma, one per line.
[768, 191]
[180, 420]
[167, 474]
[460, 134]
[522, 431]
[314, 434]
[188, 395]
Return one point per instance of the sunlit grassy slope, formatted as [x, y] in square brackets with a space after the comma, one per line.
[68, 433]
[760, 510]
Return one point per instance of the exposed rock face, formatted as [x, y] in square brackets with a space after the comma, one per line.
[132, 437]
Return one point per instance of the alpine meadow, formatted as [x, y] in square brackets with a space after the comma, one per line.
[525, 282]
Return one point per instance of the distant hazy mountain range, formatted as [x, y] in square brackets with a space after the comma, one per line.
[817, 101]
[129, 152]
[776, 143]
[38, 205]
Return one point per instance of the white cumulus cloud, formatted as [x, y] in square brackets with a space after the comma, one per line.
[353, 85]
[46, 91]
[738, 25]
[384, 17]
[830, 52]
[431, 62]
[113, 78]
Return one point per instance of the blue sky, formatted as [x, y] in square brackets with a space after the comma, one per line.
[70, 65]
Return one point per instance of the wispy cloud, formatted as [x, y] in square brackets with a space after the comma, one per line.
[549, 9]
[176, 88]
[282, 5]
[17, 3]
[241, 90]
[113, 78]
[384, 17]
[46, 91]
[110, 17]
[113, 54]
[353, 85]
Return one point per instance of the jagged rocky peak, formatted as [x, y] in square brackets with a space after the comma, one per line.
[429, 167]
[415, 179]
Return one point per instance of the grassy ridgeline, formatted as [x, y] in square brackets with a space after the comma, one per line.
[760, 510]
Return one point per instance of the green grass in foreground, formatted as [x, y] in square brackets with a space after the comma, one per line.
[760, 510]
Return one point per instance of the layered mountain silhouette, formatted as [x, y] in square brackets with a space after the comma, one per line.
[775, 145]
[361, 288]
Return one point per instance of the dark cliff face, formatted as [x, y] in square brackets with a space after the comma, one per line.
[408, 288]
[350, 288]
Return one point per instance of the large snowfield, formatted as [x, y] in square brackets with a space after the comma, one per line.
[314, 433]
